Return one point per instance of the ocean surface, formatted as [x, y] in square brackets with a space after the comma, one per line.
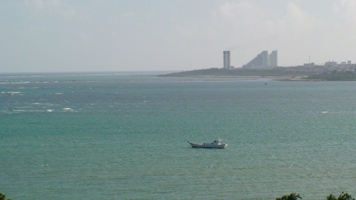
[124, 136]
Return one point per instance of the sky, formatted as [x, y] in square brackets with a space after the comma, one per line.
[171, 35]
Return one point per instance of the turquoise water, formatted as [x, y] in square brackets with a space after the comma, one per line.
[123, 136]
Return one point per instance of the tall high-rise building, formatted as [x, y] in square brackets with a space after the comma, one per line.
[263, 61]
[272, 59]
[226, 60]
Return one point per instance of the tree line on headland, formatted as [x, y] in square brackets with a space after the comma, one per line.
[219, 72]
[301, 73]
[334, 76]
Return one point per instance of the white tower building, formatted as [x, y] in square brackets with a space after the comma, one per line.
[227, 60]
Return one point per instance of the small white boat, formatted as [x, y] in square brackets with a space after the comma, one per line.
[216, 144]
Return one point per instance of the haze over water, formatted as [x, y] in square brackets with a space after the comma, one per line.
[123, 136]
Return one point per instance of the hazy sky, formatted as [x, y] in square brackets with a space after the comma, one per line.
[141, 35]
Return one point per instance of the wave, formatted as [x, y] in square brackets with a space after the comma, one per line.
[67, 109]
[14, 82]
[338, 112]
[32, 110]
[12, 93]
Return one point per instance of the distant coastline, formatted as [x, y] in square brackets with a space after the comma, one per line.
[318, 73]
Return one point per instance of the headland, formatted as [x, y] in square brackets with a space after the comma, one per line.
[298, 73]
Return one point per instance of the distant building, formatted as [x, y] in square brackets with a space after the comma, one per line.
[342, 66]
[226, 56]
[309, 64]
[330, 64]
[263, 61]
[273, 59]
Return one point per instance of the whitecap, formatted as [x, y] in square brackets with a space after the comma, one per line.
[14, 93]
[67, 109]
[18, 110]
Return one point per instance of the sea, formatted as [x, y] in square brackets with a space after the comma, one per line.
[123, 135]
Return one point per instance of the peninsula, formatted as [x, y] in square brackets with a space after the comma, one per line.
[298, 73]
[265, 65]
[238, 72]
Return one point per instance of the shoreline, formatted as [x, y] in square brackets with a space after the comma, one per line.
[276, 78]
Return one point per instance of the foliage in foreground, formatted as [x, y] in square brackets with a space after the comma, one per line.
[3, 196]
[294, 196]
[342, 196]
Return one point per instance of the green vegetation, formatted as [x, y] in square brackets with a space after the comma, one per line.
[216, 72]
[294, 196]
[3, 196]
[334, 76]
[342, 196]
